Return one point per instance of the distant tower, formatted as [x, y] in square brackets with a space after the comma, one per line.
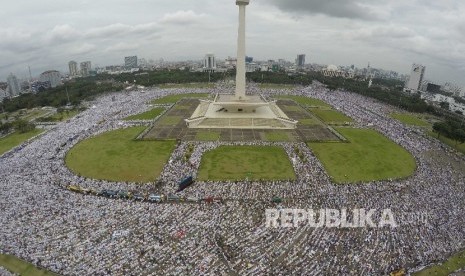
[130, 62]
[209, 63]
[86, 67]
[13, 86]
[416, 78]
[368, 73]
[300, 61]
[73, 68]
[240, 67]
[52, 76]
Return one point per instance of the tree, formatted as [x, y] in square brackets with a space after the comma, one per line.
[442, 128]
[459, 135]
[23, 126]
[444, 105]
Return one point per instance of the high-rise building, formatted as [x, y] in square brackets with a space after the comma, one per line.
[13, 86]
[130, 62]
[3, 94]
[300, 61]
[52, 76]
[416, 78]
[209, 63]
[86, 67]
[73, 68]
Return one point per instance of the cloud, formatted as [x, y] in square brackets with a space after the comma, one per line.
[352, 9]
[181, 18]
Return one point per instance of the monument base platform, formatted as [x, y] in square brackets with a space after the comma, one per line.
[227, 112]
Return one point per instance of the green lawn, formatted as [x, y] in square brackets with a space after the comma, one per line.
[277, 136]
[305, 100]
[368, 156]
[149, 115]
[20, 267]
[116, 156]
[331, 116]
[207, 136]
[309, 122]
[63, 116]
[246, 162]
[452, 264]
[33, 114]
[170, 120]
[276, 86]
[186, 85]
[171, 99]
[449, 142]
[409, 119]
[16, 139]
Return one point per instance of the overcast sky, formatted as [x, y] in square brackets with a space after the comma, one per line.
[389, 34]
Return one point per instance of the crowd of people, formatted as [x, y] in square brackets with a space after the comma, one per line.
[75, 234]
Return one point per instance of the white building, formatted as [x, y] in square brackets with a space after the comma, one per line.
[130, 62]
[13, 86]
[209, 63]
[3, 94]
[52, 76]
[86, 67]
[73, 68]
[416, 78]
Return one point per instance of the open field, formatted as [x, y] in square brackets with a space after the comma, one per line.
[246, 162]
[410, 119]
[20, 267]
[16, 139]
[331, 116]
[186, 85]
[276, 86]
[277, 136]
[368, 156]
[171, 99]
[454, 263]
[206, 135]
[33, 114]
[116, 156]
[448, 141]
[305, 101]
[59, 117]
[149, 115]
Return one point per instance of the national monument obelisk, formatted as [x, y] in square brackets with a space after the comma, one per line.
[240, 66]
[239, 110]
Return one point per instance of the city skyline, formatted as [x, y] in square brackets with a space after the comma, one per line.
[390, 36]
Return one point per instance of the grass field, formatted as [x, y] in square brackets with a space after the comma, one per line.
[33, 114]
[116, 156]
[186, 85]
[309, 122]
[170, 120]
[305, 101]
[16, 139]
[276, 86]
[449, 142]
[277, 136]
[171, 99]
[149, 115]
[246, 162]
[410, 119]
[331, 116]
[448, 267]
[368, 156]
[20, 267]
[58, 117]
[207, 136]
